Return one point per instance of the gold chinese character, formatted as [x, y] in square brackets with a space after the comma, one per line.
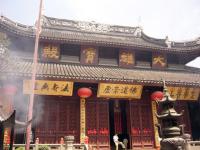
[46, 51]
[107, 89]
[159, 60]
[54, 52]
[50, 52]
[89, 55]
[126, 57]
[179, 92]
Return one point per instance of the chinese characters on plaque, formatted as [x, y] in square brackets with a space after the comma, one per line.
[50, 52]
[159, 60]
[184, 93]
[45, 87]
[89, 55]
[126, 58]
[82, 120]
[108, 90]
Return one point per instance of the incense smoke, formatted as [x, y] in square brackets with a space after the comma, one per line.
[20, 49]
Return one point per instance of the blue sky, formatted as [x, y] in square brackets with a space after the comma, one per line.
[177, 19]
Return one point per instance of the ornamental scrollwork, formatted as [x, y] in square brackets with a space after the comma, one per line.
[91, 26]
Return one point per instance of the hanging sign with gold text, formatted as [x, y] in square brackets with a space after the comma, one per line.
[108, 90]
[184, 93]
[45, 87]
[82, 120]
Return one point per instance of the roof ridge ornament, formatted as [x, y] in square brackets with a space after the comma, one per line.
[93, 26]
[138, 31]
[167, 42]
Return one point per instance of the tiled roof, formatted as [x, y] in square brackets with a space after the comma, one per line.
[99, 34]
[100, 73]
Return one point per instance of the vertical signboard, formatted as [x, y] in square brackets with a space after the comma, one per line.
[155, 121]
[82, 120]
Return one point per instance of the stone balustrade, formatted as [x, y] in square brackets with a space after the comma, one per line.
[193, 145]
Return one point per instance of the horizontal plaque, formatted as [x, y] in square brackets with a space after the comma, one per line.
[108, 90]
[45, 87]
[184, 93]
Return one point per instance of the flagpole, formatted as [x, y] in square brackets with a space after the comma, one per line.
[35, 62]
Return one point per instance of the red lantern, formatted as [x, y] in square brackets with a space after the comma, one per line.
[157, 95]
[9, 90]
[84, 92]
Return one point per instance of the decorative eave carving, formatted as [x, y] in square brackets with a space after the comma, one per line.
[93, 27]
[90, 26]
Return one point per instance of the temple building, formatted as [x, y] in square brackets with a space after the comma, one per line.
[120, 65]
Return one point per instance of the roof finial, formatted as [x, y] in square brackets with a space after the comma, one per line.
[167, 42]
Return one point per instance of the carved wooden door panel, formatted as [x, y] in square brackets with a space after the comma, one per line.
[141, 124]
[147, 126]
[91, 121]
[46, 128]
[97, 123]
[60, 118]
[68, 123]
[135, 125]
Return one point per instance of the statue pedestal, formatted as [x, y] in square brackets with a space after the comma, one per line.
[175, 143]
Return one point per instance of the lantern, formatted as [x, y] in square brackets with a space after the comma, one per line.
[9, 90]
[84, 92]
[157, 95]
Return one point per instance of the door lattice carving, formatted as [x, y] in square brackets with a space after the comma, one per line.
[60, 118]
[141, 124]
[97, 123]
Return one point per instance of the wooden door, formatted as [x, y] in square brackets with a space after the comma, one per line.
[97, 124]
[141, 124]
[60, 118]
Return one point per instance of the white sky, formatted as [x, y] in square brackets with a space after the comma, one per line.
[178, 19]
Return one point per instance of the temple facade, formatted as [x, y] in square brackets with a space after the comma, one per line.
[121, 65]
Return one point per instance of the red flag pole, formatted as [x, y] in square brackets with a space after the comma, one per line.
[35, 61]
